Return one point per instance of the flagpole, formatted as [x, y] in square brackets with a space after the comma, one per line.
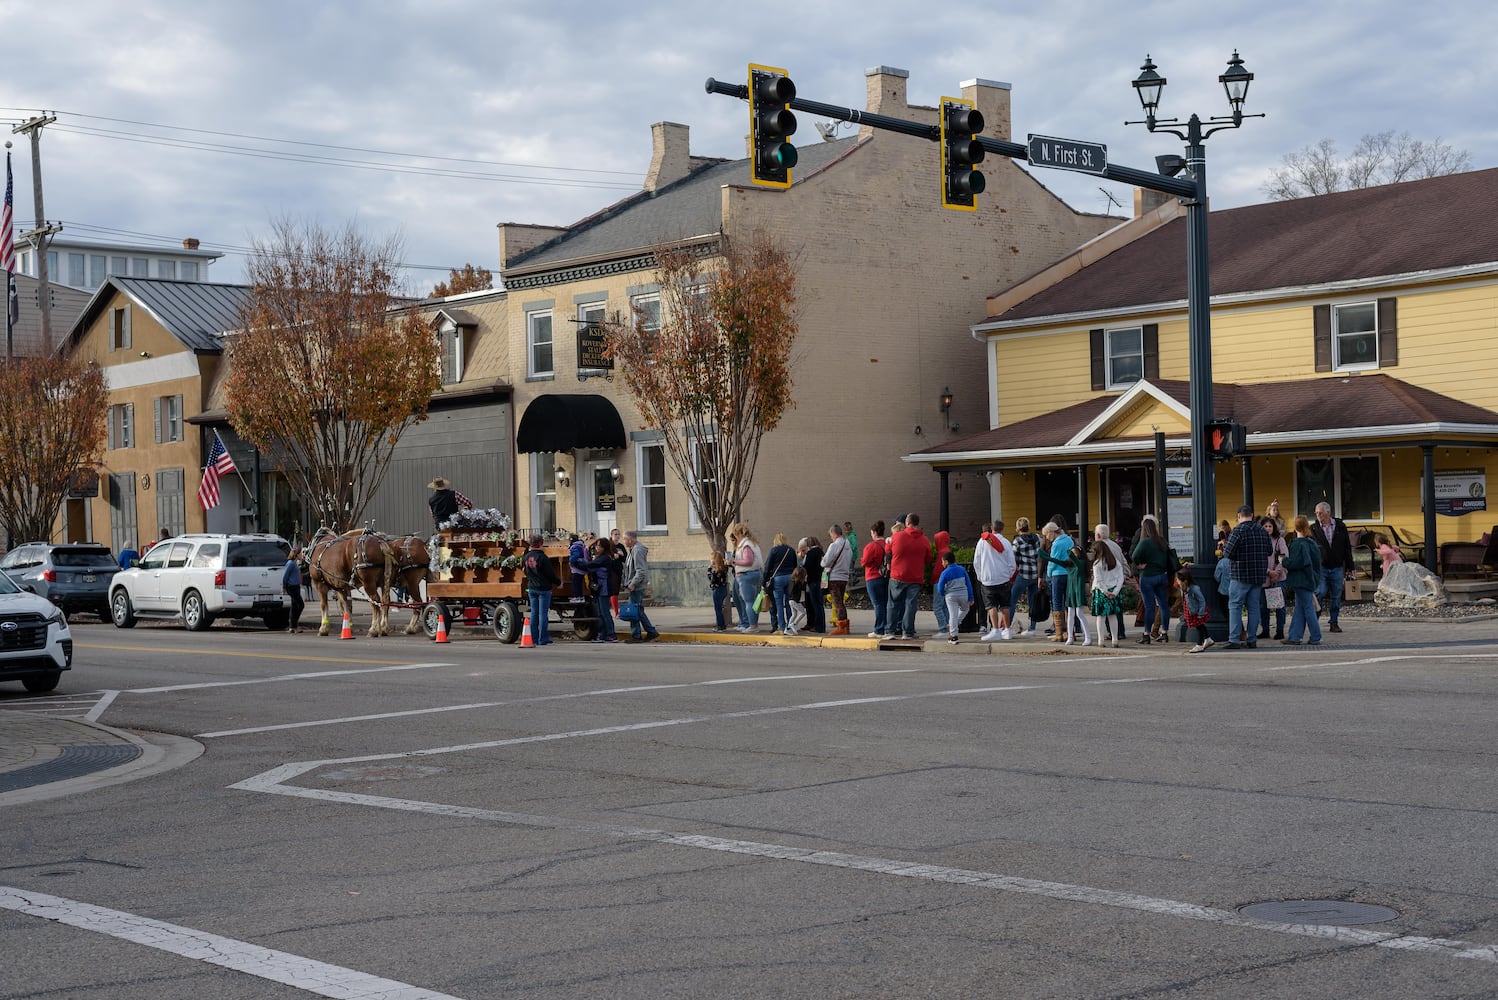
[237, 472]
[9, 274]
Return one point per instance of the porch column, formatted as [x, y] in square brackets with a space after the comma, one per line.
[1248, 481]
[1084, 527]
[942, 506]
[1428, 503]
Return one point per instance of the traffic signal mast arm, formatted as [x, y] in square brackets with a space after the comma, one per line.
[1181, 187]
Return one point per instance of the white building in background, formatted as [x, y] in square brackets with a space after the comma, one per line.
[85, 264]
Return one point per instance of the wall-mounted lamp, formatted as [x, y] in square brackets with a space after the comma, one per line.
[614, 471]
[946, 408]
[145, 354]
[562, 476]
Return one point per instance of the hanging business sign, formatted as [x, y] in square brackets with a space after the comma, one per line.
[1461, 491]
[1178, 510]
[592, 349]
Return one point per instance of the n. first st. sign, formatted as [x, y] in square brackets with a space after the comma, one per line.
[1068, 154]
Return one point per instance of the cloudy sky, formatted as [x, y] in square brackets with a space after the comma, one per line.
[439, 119]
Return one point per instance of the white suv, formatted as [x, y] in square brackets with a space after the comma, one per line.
[202, 577]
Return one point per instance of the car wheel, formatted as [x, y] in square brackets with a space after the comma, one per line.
[506, 621]
[120, 610]
[42, 683]
[193, 612]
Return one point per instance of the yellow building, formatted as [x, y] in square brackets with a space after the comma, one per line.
[159, 344]
[886, 279]
[1353, 335]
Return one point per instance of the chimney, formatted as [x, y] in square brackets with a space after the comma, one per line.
[191, 243]
[670, 155]
[885, 89]
[991, 99]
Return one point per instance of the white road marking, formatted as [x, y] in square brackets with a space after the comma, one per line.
[285, 677]
[97, 711]
[263, 963]
[531, 701]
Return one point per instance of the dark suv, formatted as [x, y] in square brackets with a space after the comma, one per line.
[75, 577]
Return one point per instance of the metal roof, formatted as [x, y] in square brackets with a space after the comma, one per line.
[195, 312]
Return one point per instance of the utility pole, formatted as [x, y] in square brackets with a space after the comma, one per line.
[38, 236]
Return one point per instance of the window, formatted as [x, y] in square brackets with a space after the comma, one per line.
[76, 274]
[166, 269]
[122, 426]
[647, 313]
[189, 270]
[156, 558]
[704, 477]
[119, 328]
[140, 267]
[652, 465]
[171, 507]
[180, 552]
[168, 419]
[539, 339]
[450, 337]
[590, 314]
[96, 270]
[1355, 336]
[119, 265]
[52, 266]
[26, 263]
[207, 557]
[1125, 357]
[1352, 485]
[544, 490]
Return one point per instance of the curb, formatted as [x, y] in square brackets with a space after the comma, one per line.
[159, 752]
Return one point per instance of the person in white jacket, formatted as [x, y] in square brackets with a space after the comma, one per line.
[1107, 586]
[993, 562]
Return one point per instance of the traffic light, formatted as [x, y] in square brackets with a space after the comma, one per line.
[960, 125]
[1225, 439]
[771, 124]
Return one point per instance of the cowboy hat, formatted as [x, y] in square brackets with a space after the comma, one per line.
[439, 484]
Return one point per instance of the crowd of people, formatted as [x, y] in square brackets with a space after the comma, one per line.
[1071, 589]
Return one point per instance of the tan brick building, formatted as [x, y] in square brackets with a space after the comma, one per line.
[887, 284]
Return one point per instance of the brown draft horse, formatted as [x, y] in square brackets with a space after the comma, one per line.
[358, 558]
[412, 568]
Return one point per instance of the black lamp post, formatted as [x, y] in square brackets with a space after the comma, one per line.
[1235, 82]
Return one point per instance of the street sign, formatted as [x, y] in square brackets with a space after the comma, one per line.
[1069, 154]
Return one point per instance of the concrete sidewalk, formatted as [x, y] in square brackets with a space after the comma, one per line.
[43, 757]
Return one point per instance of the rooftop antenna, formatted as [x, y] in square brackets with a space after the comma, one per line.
[1111, 200]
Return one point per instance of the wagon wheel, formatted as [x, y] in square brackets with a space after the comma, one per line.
[586, 629]
[429, 615]
[506, 621]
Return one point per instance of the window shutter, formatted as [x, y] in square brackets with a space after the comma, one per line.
[1099, 360]
[180, 429]
[126, 325]
[1152, 351]
[1388, 333]
[114, 419]
[1323, 337]
[127, 431]
[156, 413]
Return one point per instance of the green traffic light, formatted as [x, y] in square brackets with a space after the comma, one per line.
[784, 155]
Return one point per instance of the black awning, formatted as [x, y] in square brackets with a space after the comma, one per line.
[556, 422]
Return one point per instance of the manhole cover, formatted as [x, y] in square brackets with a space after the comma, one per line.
[1322, 912]
[385, 772]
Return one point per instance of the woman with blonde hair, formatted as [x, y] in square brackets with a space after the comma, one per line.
[748, 563]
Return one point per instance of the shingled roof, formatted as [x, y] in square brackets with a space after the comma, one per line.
[692, 206]
[1344, 403]
[1414, 226]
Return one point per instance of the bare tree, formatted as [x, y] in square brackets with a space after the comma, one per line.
[323, 377]
[51, 428]
[1378, 158]
[712, 368]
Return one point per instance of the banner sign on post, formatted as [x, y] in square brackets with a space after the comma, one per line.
[1178, 511]
[1461, 491]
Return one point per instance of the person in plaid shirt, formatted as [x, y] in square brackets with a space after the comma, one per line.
[1027, 565]
[1247, 549]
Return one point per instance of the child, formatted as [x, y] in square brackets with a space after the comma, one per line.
[717, 581]
[1107, 584]
[577, 560]
[1386, 549]
[1194, 610]
[1076, 596]
[955, 588]
[1223, 531]
[796, 601]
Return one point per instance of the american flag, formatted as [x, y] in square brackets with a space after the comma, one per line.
[219, 464]
[8, 246]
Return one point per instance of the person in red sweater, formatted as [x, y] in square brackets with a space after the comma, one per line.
[911, 556]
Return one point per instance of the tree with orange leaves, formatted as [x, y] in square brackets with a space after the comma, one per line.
[324, 377]
[470, 279]
[711, 369]
[51, 428]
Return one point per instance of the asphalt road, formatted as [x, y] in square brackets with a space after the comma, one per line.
[395, 818]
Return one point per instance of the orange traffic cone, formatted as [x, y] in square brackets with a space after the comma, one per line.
[348, 630]
[442, 628]
[525, 634]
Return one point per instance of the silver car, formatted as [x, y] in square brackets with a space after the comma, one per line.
[75, 577]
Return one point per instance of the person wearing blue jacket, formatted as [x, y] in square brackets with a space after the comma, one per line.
[954, 587]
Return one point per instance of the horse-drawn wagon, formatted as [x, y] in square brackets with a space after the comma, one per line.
[486, 586]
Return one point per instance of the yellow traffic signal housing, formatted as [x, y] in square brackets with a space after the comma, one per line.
[771, 124]
[960, 150]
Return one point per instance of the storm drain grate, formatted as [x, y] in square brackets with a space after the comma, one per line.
[73, 762]
[1321, 912]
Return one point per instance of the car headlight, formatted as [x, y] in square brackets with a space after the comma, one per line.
[53, 616]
